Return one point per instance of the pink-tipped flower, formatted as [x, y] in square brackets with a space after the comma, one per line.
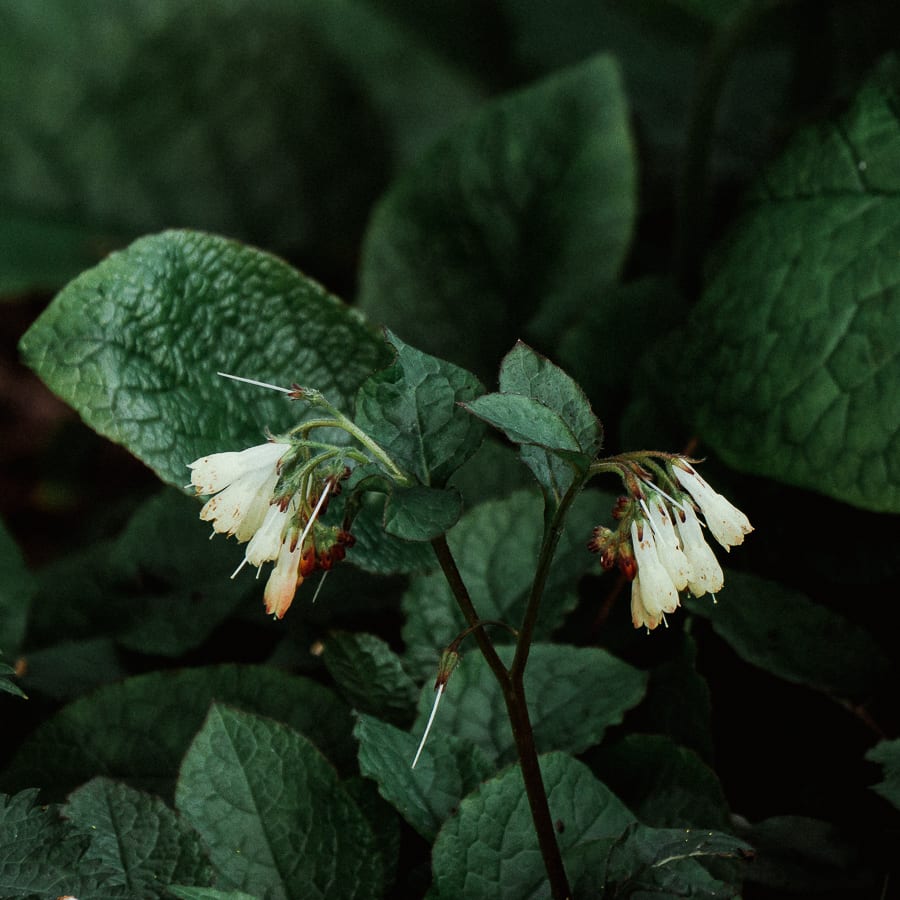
[243, 483]
[726, 522]
[284, 580]
[706, 573]
[656, 591]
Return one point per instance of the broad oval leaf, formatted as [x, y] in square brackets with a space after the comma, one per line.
[135, 343]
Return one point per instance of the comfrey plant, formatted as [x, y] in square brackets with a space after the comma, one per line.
[275, 498]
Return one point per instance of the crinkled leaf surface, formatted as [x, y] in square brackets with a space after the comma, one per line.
[109, 732]
[134, 345]
[496, 547]
[525, 211]
[131, 105]
[574, 695]
[370, 676]
[789, 366]
[42, 856]
[525, 420]
[888, 754]
[411, 409]
[490, 849]
[787, 634]
[204, 893]
[421, 513]
[139, 841]
[428, 795]
[273, 813]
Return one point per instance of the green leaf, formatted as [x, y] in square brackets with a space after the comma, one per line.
[70, 668]
[787, 634]
[273, 812]
[137, 839]
[184, 892]
[525, 421]
[522, 214]
[421, 513]
[496, 546]
[887, 753]
[490, 849]
[41, 856]
[412, 410]
[266, 160]
[574, 695]
[6, 686]
[16, 590]
[107, 732]
[666, 785]
[663, 861]
[791, 355]
[429, 794]
[370, 676]
[134, 345]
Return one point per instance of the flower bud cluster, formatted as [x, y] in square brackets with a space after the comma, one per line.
[272, 497]
[659, 543]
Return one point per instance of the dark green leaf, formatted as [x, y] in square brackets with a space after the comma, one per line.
[7, 686]
[109, 733]
[382, 819]
[490, 849]
[370, 676]
[525, 421]
[790, 356]
[666, 785]
[421, 513]
[887, 753]
[496, 546]
[787, 634]
[204, 893]
[273, 812]
[574, 695]
[265, 157]
[412, 409]
[69, 669]
[136, 838]
[41, 856]
[16, 590]
[428, 795]
[663, 861]
[523, 213]
[134, 345]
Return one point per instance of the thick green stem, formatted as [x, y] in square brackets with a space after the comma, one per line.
[523, 735]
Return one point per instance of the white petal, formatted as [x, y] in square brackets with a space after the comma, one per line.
[242, 506]
[706, 573]
[639, 615]
[282, 583]
[213, 473]
[668, 546]
[726, 522]
[266, 543]
[657, 591]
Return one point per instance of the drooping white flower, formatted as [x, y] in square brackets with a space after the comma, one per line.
[265, 545]
[243, 483]
[284, 580]
[657, 593]
[726, 522]
[706, 573]
[668, 547]
[639, 615]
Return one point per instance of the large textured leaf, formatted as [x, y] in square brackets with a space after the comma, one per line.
[574, 695]
[139, 841]
[888, 754]
[490, 849]
[523, 213]
[138, 730]
[273, 812]
[136, 120]
[789, 366]
[787, 634]
[134, 345]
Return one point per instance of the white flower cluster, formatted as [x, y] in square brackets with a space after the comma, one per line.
[244, 505]
[671, 552]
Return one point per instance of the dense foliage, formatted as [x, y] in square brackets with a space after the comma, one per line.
[682, 216]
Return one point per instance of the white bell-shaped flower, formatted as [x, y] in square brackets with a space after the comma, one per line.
[284, 579]
[657, 591]
[726, 522]
[245, 482]
[706, 573]
[668, 547]
[639, 615]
